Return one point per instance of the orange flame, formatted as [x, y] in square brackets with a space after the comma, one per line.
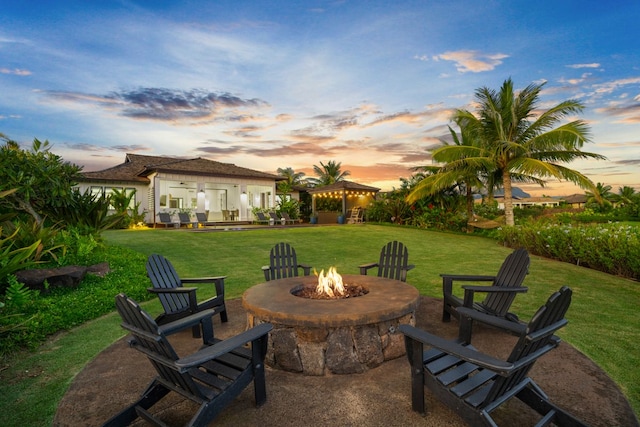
[330, 284]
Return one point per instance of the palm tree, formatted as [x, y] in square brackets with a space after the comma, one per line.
[328, 174]
[600, 195]
[627, 195]
[292, 178]
[459, 170]
[516, 147]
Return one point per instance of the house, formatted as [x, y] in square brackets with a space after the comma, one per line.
[350, 193]
[575, 200]
[526, 202]
[222, 191]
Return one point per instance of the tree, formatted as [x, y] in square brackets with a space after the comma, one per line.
[292, 179]
[516, 144]
[458, 170]
[600, 197]
[328, 174]
[627, 195]
[41, 178]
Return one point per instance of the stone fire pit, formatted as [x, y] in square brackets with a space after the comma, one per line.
[341, 336]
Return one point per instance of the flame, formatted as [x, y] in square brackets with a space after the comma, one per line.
[330, 284]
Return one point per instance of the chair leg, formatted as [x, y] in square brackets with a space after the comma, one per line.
[223, 315]
[150, 397]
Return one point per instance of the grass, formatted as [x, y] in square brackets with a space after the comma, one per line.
[603, 320]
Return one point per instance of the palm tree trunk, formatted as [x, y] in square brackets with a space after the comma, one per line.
[508, 199]
[469, 207]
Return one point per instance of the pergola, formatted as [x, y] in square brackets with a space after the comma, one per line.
[351, 193]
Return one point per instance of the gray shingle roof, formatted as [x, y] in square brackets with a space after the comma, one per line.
[136, 168]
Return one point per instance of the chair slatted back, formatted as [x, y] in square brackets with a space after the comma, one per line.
[512, 273]
[184, 218]
[163, 276]
[537, 340]
[165, 218]
[394, 257]
[283, 262]
[201, 217]
[149, 340]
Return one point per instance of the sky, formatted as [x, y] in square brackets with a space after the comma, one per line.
[265, 85]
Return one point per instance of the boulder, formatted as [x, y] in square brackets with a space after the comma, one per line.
[69, 276]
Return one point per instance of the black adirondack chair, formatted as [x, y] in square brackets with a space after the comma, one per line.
[212, 377]
[283, 263]
[474, 384]
[393, 264]
[500, 294]
[179, 301]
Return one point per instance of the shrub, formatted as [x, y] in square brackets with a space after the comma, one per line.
[612, 248]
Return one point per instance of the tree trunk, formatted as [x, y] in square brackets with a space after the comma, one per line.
[469, 207]
[26, 206]
[508, 199]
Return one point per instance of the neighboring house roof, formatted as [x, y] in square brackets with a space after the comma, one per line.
[575, 198]
[137, 168]
[343, 185]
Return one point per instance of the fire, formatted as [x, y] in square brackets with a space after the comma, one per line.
[330, 284]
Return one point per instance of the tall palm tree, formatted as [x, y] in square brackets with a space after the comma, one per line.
[459, 169]
[328, 174]
[517, 146]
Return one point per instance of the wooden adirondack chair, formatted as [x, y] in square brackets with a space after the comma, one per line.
[500, 294]
[393, 263]
[283, 263]
[179, 301]
[211, 378]
[474, 384]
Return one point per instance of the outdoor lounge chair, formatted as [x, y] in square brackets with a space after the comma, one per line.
[356, 216]
[474, 384]
[165, 218]
[500, 294]
[178, 301]
[211, 377]
[274, 216]
[202, 219]
[287, 218]
[283, 263]
[260, 218]
[393, 263]
[185, 219]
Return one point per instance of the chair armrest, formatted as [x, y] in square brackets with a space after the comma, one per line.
[185, 322]
[410, 267]
[499, 322]
[478, 288]
[180, 290]
[364, 267]
[467, 277]
[306, 268]
[457, 350]
[212, 279]
[223, 347]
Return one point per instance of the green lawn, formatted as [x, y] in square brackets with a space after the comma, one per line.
[603, 319]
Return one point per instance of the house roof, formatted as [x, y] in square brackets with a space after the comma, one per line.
[342, 185]
[137, 168]
[575, 198]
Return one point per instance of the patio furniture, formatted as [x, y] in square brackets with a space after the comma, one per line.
[287, 218]
[393, 263]
[500, 294]
[473, 383]
[165, 218]
[179, 301]
[185, 219]
[283, 263]
[356, 216]
[274, 219]
[211, 378]
[202, 219]
[260, 218]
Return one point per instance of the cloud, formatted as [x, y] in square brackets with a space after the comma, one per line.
[162, 104]
[592, 65]
[472, 60]
[15, 71]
